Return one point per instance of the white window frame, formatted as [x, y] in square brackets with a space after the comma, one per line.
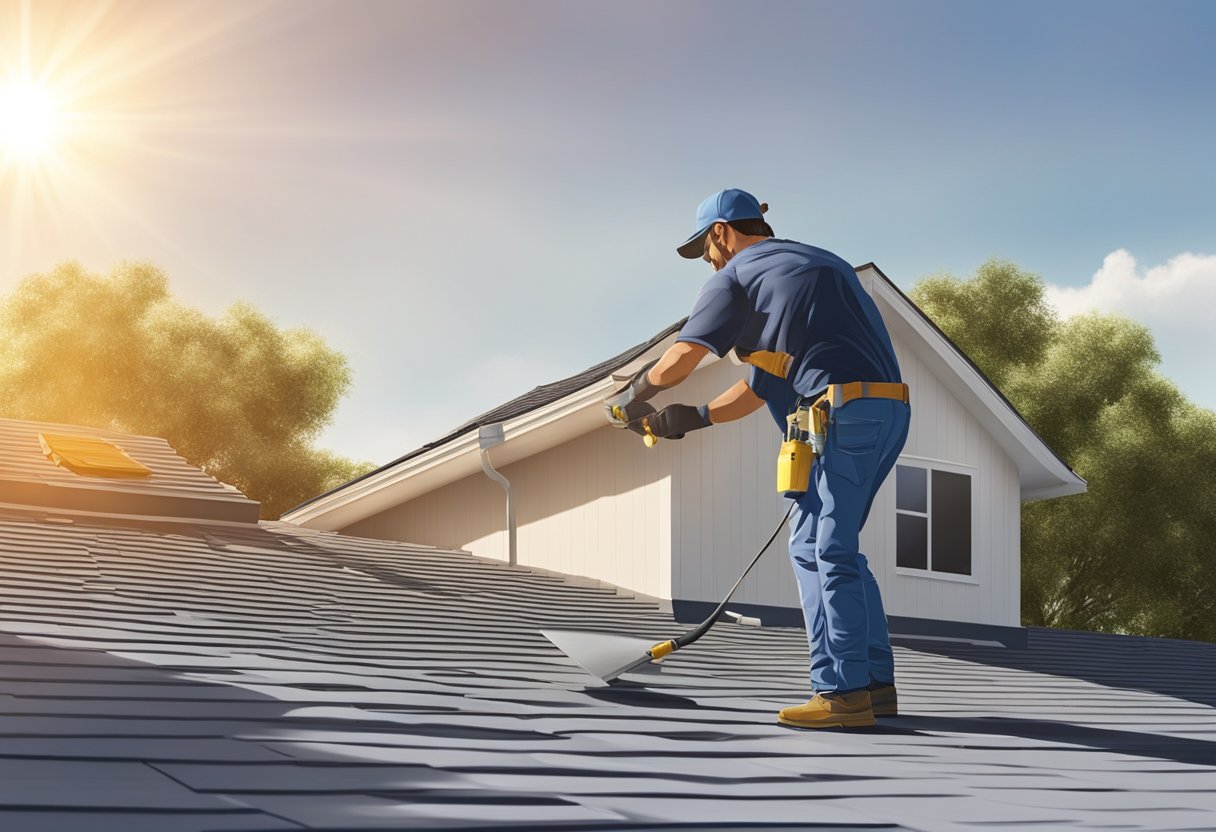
[929, 466]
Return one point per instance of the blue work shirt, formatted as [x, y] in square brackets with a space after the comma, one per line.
[800, 311]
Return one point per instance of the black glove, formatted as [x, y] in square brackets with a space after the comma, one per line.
[622, 407]
[638, 411]
[625, 416]
[675, 420]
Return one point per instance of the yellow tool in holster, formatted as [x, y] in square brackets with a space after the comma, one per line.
[807, 429]
[805, 435]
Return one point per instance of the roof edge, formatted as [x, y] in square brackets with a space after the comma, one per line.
[1070, 482]
[101, 518]
[527, 433]
[510, 410]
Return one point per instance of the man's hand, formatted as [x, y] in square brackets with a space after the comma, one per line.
[627, 404]
[636, 412]
[621, 416]
[675, 420]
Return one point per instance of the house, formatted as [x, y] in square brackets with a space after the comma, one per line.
[678, 523]
[168, 663]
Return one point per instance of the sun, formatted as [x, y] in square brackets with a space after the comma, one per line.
[28, 119]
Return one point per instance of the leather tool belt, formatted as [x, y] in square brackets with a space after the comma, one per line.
[815, 415]
[807, 430]
[840, 394]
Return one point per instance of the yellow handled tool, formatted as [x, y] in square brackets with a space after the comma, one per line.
[650, 440]
[660, 650]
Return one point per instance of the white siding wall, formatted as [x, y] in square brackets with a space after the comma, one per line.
[725, 502]
[725, 505]
[597, 506]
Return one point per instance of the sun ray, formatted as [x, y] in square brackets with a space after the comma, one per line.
[69, 44]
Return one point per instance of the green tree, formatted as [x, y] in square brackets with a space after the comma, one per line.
[236, 396]
[1133, 554]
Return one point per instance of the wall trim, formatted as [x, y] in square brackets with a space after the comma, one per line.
[903, 628]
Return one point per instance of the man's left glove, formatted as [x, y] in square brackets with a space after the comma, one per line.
[675, 420]
[626, 405]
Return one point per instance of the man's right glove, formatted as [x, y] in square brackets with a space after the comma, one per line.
[643, 413]
[675, 420]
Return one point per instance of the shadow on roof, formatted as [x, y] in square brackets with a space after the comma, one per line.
[1134, 743]
[1181, 669]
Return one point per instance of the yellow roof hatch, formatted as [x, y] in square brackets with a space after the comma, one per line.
[90, 457]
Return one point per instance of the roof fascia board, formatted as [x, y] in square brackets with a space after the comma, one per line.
[454, 461]
[1046, 493]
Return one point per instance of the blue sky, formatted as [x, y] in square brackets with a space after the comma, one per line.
[470, 199]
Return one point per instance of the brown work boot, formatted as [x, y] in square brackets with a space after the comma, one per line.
[884, 699]
[831, 710]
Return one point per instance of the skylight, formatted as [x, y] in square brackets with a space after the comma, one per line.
[90, 457]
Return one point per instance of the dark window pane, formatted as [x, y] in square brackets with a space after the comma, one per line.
[910, 486]
[951, 523]
[911, 541]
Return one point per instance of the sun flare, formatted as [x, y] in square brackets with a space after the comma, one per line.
[28, 119]
[96, 109]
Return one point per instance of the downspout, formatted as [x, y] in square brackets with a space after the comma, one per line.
[487, 437]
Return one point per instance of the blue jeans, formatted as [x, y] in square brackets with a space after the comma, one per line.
[845, 621]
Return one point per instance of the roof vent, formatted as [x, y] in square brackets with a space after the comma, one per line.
[90, 457]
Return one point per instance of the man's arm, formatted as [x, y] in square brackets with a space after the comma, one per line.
[735, 403]
[676, 364]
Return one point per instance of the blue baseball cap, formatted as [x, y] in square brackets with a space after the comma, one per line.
[724, 206]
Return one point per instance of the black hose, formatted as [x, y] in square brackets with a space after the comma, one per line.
[703, 628]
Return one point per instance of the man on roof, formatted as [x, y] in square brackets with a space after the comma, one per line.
[799, 316]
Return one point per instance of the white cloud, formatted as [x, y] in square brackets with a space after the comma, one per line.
[1184, 289]
[1177, 301]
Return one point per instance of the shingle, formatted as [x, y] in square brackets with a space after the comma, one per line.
[139, 749]
[678, 809]
[290, 777]
[73, 784]
[96, 820]
[428, 812]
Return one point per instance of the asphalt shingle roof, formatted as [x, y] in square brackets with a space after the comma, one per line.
[533, 399]
[268, 677]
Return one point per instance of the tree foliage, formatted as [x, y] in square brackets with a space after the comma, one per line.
[1133, 554]
[974, 314]
[235, 396]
